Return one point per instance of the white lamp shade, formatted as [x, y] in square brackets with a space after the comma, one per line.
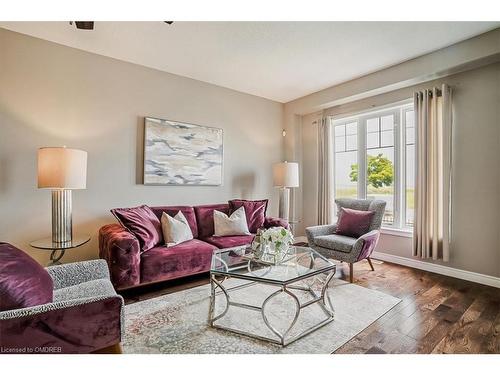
[286, 174]
[62, 168]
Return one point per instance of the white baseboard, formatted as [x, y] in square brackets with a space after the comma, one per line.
[440, 269]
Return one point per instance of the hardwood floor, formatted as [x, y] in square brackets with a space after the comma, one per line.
[437, 314]
[113, 349]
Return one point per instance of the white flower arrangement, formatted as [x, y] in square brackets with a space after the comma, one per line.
[278, 238]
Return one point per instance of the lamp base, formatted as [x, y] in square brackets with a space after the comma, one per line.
[284, 203]
[62, 225]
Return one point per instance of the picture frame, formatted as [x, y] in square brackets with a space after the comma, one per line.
[181, 153]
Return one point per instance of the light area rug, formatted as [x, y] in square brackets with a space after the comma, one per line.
[177, 323]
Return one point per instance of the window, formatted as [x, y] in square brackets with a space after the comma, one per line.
[380, 162]
[346, 151]
[374, 158]
[409, 156]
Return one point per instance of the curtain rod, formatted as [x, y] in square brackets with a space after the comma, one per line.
[439, 92]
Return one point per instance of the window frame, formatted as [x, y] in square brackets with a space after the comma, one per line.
[404, 110]
[343, 121]
[398, 110]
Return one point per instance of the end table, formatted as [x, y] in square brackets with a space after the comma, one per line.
[58, 248]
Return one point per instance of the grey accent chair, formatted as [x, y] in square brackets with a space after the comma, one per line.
[85, 316]
[324, 240]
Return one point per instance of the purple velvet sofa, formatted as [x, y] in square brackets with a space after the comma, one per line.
[130, 267]
[69, 308]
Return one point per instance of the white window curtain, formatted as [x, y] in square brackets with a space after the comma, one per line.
[431, 230]
[325, 178]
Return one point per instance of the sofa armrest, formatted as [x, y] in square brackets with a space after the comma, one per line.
[270, 222]
[120, 249]
[365, 245]
[70, 274]
[80, 325]
[319, 230]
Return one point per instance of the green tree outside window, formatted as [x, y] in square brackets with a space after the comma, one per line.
[380, 171]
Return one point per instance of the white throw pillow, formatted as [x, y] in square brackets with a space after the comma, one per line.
[234, 225]
[175, 229]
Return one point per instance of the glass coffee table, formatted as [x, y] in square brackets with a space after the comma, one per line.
[295, 273]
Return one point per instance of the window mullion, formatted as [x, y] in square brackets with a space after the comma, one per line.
[403, 167]
[362, 158]
[397, 169]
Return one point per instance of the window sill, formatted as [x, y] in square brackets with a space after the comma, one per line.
[397, 232]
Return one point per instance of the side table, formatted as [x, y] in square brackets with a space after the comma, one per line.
[58, 248]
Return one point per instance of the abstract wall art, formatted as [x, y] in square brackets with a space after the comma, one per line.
[178, 153]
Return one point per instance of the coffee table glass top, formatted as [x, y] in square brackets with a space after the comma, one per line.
[298, 263]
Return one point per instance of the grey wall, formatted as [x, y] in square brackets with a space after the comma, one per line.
[52, 95]
[462, 56]
[476, 171]
[309, 171]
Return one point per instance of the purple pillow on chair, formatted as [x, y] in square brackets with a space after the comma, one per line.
[353, 223]
[143, 223]
[23, 282]
[255, 212]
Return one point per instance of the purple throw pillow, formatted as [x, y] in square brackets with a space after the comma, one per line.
[23, 281]
[141, 222]
[255, 212]
[187, 211]
[354, 223]
[205, 218]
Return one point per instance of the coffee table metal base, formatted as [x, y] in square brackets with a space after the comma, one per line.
[283, 338]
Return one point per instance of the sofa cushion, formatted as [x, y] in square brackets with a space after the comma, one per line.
[92, 288]
[205, 218]
[229, 241]
[353, 223]
[143, 223]
[255, 212]
[165, 263]
[187, 211]
[23, 281]
[336, 242]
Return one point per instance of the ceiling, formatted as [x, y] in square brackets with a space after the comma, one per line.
[281, 61]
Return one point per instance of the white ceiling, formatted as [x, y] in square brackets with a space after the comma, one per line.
[275, 60]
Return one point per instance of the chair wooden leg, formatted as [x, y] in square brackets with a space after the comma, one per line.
[351, 272]
[371, 265]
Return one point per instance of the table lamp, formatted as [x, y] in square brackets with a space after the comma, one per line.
[62, 170]
[285, 176]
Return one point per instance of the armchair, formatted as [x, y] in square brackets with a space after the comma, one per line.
[84, 315]
[325, 240]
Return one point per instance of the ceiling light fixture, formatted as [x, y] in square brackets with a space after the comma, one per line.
[83, 25]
